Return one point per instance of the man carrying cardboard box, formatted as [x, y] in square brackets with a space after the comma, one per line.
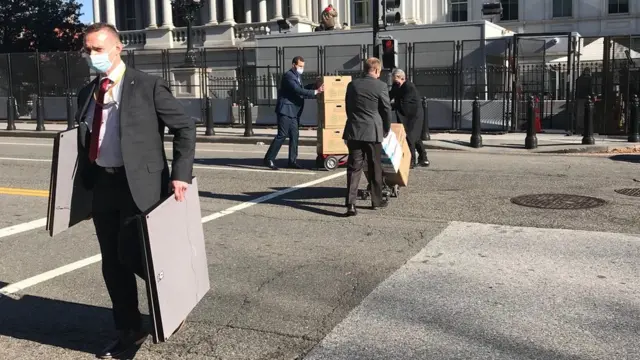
[409, 112]
[368, 123]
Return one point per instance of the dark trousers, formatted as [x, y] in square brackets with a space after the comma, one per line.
[358, 152]
[287, 127]
[417, 146]
[115, 219]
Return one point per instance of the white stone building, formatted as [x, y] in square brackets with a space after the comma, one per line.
[152, 24]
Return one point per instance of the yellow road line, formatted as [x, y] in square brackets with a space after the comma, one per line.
[24, 192]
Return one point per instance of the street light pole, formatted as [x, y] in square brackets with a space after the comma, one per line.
[188, 9]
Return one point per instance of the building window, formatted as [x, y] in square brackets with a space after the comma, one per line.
[459, 10]
[618, 6]
[509, 10]
[361, 12]
[562, 8]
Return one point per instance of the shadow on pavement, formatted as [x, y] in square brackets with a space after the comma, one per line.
[67, 325]
[296, 199]
[632, 158]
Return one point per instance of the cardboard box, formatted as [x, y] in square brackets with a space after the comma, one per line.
[330, 142]
[401, 134]
[402, 176]
[391, 154]
[335, 88]
[332, 115]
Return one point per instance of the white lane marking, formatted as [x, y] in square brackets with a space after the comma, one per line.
[16, 229]
[24, 159]
[207, 167]
[21, 285]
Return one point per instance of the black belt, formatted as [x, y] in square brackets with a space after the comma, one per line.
[112, 170]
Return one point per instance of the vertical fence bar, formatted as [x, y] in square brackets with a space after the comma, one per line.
[39, 100]
[68, 97]
[11, 100]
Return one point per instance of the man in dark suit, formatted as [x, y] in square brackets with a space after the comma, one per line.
[289, 107]
[122, 117]
[368, 123]
[406, 103]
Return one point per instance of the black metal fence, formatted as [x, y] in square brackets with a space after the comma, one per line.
[557, 69]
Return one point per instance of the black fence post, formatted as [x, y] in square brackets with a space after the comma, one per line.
[70, 120]
[531, 141]
[11, 101]
[425, 118]
[634, 125]
[476, 138]
[209, 117]
[587, 133]
[248, 118]
[40, 113]
[11, 113]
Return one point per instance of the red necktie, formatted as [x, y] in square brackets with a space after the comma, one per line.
[97, 120]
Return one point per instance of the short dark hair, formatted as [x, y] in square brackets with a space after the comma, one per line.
[95, 27]
[297, 59]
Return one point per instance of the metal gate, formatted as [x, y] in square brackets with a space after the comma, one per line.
[541, 69]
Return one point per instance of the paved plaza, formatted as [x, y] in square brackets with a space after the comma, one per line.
[452, 269]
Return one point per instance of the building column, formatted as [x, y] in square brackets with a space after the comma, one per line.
[96, 11]
[277, 9]
[167, 14]
[228, 12]
[310, 13]
[213, 12]
[153, 21]
[324, 4]
[111, 12]
[295, 9]
[262, 6]
[248, 15]
[303, 9]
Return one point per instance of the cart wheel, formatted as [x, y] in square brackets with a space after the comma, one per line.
[331, 163]
[395, 191]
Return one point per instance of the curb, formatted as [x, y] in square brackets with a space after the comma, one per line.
[220, 139]
[593, 149]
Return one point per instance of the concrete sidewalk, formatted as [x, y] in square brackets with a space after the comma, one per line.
[492, 143]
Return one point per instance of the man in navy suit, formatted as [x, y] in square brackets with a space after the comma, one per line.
[289, 107]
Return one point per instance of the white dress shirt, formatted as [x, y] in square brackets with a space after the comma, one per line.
[110, 152]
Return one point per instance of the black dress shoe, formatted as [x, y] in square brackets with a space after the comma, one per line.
[424, 163]
[126, 342]
[382, 204]
[270, 164]
[295, 166]
[351, 210]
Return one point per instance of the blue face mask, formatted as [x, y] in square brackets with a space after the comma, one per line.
[100, 62]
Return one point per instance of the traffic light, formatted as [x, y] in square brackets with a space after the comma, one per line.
[389, 53]
[391, 14]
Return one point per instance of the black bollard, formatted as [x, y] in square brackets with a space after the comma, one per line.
[40, 113]
[634, 125]
[587, 133]
[531, 141]
[248, 118]
[209, 118]
[476, 138]
[11, 113]
[425, 119]
[70, 117]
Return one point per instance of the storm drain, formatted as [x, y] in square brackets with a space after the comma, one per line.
[629, 191]
[558, 201]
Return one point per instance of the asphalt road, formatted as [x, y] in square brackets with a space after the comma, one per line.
[286, 272]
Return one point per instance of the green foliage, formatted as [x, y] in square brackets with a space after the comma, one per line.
[43, 25]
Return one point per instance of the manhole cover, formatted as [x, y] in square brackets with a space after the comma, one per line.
[558, 201]
[629, 191]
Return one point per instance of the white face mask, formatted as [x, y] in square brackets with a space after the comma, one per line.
[99, 62]
[300, 70]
